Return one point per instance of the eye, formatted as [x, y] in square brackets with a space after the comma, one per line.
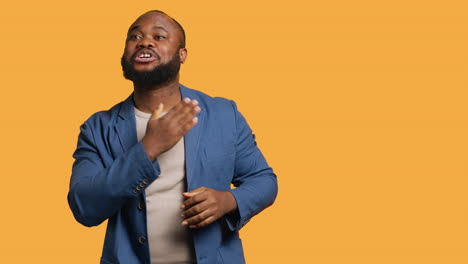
[134, 36]
[159, 37]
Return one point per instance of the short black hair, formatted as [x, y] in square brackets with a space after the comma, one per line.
[182, 42]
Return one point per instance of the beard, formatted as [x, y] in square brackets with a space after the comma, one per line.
[161, 74]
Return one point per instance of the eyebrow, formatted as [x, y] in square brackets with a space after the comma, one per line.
[138, 26]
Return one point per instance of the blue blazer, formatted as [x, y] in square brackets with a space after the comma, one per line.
[111, 171]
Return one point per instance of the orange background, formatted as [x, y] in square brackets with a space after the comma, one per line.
[359, 106]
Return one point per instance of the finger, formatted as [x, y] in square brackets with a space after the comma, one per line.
[157, 112]
[194, 102]
[186, 112]
[184, 129]
[176, 108]
[194, 210]
[197, 218]
[192, 108]
[187, 106]
[203, 223]
[187, 117]
[194, 192]
[193, 200]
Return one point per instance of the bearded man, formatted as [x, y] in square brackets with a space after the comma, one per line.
[159, 165]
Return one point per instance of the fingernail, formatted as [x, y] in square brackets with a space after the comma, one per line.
[184, 223]
[182, 207]
[187, 100]
[194, 102]
[182, 215]
[197, 109]
[195, 119]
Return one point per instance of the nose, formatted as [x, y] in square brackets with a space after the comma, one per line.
[146, 42]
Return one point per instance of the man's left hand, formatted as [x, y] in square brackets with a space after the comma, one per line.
[205, 205]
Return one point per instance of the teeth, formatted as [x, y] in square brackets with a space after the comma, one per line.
[145, 55]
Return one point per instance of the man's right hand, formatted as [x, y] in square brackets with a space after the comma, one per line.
[163, 133]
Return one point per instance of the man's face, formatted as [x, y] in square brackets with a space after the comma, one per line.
[152, 52]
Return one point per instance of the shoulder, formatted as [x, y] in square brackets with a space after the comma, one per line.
[104, 118]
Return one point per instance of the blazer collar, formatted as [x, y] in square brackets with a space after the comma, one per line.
[127, 111]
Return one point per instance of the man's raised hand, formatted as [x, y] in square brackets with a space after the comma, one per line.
[162, 133]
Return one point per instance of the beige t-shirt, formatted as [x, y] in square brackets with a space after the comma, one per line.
[169, 241]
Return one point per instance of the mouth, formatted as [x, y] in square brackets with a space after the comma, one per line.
[145, 56]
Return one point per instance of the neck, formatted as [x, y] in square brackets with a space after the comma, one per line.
[148, 97]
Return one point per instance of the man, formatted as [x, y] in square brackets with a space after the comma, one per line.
[159, 165]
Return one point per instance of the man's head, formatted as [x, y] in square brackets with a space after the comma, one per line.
[154, 49]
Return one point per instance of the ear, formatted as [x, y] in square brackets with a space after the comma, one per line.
[183, 55]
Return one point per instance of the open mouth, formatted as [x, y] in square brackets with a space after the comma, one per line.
[144, 56]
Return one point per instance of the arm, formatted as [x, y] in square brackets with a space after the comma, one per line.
[98, 191]
[255, 182]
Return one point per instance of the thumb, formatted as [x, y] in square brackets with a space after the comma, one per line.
[193, 192]
[157, 112]
[188, 194]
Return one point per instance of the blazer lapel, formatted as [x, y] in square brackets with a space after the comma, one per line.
[125, 126]
[192, 139]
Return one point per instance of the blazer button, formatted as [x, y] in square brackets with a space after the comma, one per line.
[138, 188]
[142, 185]
[142, 240]
[145, 181]
[141, 205]
[135, 191]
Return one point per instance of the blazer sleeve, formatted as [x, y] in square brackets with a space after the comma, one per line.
[97, 189]
[256, 184]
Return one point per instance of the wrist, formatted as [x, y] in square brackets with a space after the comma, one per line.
[150, 148]
[230, 201]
